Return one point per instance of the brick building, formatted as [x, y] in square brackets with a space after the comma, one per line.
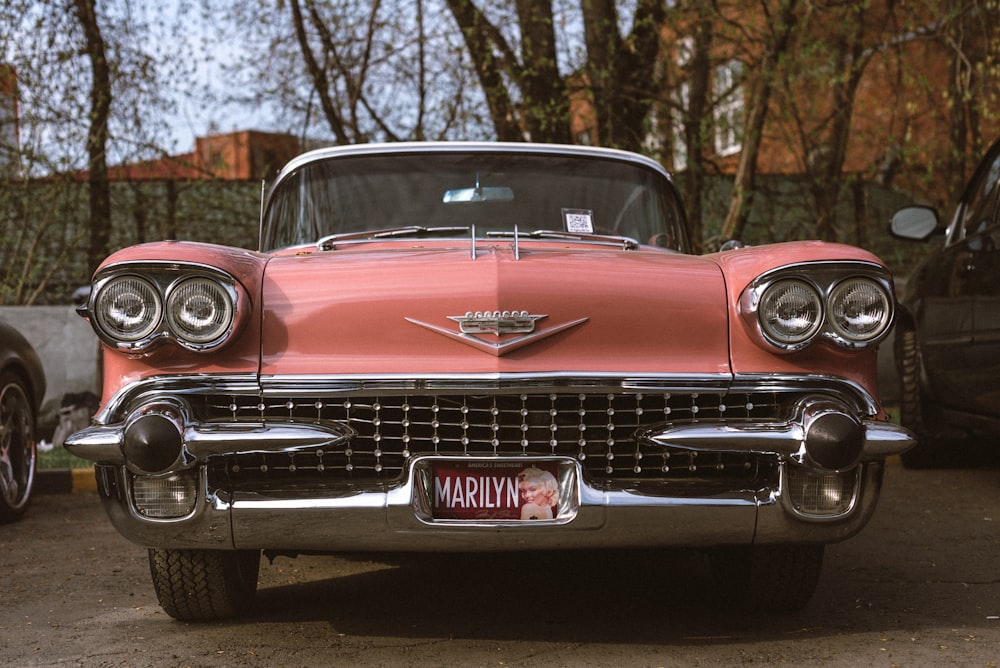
[245, 155]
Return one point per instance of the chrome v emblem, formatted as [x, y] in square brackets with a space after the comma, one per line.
[498, 323]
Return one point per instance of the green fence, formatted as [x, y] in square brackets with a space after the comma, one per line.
[44, 230]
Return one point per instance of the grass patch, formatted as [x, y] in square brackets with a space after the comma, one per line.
[60, 458]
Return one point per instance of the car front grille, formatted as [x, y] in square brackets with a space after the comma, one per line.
[597, 429]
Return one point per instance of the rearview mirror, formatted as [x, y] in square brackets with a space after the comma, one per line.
[915, 222]
[479, 194]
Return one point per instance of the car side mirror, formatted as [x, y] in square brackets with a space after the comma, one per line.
[916, 223]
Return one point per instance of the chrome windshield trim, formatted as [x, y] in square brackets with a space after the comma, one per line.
[464, 147]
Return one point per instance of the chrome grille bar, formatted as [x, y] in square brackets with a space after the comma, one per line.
[597, 429]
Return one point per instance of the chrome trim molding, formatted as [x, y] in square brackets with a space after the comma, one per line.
[249, 384]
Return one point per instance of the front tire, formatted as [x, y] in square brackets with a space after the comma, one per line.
[767, 578]
[196, 585]
[17, 448]
[927, 453]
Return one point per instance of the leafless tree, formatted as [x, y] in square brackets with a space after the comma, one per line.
[765, 52]
[97, 133]
[528, 89]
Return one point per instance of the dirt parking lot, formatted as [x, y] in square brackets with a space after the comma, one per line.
[919, 587]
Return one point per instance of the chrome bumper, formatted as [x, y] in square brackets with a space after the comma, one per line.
[392, 516]
[390, 520]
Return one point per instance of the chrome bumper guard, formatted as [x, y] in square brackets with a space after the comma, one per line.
[349, 519]
[391, 515]
[387, 521]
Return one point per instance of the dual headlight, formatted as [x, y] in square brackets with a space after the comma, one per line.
[132, 311]
[790, 311]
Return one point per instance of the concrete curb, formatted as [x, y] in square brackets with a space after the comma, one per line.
[65, 481]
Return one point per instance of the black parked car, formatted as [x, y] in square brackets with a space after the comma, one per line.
[22, 387]
[948, 327]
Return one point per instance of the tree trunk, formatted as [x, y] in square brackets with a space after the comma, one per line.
[695, 129]
[480, 39]
[619, 73]
[97, 135]
[741, 200]
[546, 104]
[622, 73]
[317, 74]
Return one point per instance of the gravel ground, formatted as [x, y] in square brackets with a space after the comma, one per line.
[919, 587]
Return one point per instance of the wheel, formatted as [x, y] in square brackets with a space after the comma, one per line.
[194, 585]
[17, 448]
[767, 578]
[927, 453]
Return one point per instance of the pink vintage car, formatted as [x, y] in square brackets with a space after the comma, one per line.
[474, 347]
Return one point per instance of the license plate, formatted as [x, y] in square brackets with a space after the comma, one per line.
[490, 490]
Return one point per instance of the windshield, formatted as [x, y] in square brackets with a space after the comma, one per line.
[497, 192]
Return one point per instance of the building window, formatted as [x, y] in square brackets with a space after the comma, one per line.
[728, 107]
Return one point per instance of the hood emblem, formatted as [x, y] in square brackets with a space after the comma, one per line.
[508, 324]
[496, 322]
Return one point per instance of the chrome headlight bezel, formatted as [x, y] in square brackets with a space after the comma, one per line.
[840, 311]
[167, 282]
[194, 298]
[117, 299]
[831, 282]
[790, 312]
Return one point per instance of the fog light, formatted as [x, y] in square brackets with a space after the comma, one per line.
[821, 494]
[166, 496]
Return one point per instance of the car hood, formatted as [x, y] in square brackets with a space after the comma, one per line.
[404, 312]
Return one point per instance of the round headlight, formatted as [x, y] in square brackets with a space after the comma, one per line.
[199, 310]
[790, 312]
[128, 308]
[860, 309]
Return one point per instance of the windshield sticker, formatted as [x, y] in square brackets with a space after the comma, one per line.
[578, 221]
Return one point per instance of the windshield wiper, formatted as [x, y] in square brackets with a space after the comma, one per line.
[627, 243]
[330, 242]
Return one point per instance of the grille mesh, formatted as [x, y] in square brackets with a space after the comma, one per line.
[598, 429]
